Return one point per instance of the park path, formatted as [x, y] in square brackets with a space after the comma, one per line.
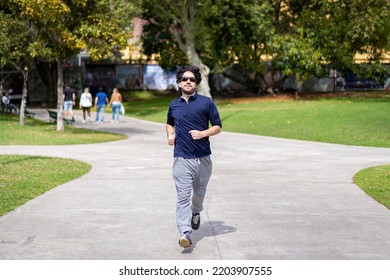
[268, 198]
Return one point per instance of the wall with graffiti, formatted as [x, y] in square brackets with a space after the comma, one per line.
[128, 77]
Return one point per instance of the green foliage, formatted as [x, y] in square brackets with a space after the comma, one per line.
[173, 25]
[296, 55]
[239, 32]
[379, 71]
[156, 42]
[298, 37]
[64, 28]
[14, 38]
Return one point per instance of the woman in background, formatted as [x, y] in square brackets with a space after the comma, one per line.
[86, 104]
[116, 102]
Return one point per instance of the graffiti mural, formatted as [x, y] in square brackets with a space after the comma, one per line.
[128, 76]
[156, 78]
[100, 76]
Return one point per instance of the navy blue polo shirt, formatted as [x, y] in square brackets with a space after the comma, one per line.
[194, 115]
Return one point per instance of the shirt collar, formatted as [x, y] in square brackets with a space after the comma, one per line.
[192, 97]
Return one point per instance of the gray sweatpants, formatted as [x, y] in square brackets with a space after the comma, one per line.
[190, 175]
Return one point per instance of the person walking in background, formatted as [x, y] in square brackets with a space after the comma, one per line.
[86, 104]
[69, 101]
[101, 100]
[188, 130]
[116, 102]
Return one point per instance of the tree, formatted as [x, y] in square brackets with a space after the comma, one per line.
[220, 34]
[15, 37]
[342, 29]
[265, 41]
[178, 26]
[66, 27]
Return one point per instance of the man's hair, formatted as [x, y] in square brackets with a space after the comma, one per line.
[189, 68]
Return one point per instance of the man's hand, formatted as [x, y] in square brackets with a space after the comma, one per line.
[171, 140]
[196, 134]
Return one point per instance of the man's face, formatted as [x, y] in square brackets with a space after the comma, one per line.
[188, 83]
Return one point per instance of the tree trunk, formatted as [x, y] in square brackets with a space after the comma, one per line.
[24, 96]
[60, 96]
[185, 40]
[48, 74]
[194, 59]
[204, 87]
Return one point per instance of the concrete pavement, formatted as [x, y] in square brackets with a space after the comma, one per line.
[268, 198]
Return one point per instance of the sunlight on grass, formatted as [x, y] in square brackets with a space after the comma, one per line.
[360, 121]
[24, 177]
[36, 132]
[375, 181]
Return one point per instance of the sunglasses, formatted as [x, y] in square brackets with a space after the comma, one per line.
[185, 79]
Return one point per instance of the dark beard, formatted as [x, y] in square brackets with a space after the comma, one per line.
[187, 92]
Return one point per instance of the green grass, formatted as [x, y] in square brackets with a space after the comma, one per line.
[36, 132]
[375, 181]
[150, 106]
[350, 122]
[24, 177]
[363, 121]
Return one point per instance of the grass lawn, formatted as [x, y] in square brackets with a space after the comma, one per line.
[36, 132]
[350, 122]
[362, 120]
[375, 181]
[24, 177]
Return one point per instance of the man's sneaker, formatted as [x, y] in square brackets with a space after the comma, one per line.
[185, 240]
[195, 221]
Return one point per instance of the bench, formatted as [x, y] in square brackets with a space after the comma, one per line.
[53, 117]
[29, 114]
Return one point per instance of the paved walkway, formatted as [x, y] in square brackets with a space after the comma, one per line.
[268, 198]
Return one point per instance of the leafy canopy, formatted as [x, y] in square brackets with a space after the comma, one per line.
[65, 28]
[297, 37]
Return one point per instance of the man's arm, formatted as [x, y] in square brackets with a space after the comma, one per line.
[170, 134]
[214, 130]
